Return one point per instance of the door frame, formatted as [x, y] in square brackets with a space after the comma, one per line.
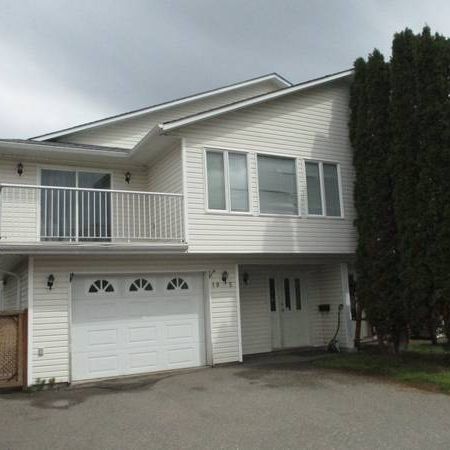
[76, 170]
[206, 306]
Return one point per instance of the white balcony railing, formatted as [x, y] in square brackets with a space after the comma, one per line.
[60, 214]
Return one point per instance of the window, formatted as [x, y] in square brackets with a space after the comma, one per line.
[177, 283]
[287, 294]
[322, 183]
[227, 177]
[298, 294]
[273, 300]
[141, 284]
[101, 286]
[277, 185]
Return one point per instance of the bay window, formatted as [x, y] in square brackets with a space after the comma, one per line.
[227, 179]
[323, 193]
[277, 182]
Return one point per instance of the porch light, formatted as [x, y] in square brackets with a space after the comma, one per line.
[225, 276]
[20, 169]
[50, 281]
[245, 278]
[128, 177]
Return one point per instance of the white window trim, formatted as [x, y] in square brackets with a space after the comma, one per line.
[297, 184]
[227, 210]
[322, 189]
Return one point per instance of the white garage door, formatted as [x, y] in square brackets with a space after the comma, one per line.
[124, 325]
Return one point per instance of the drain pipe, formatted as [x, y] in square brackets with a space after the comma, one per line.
[12, 274]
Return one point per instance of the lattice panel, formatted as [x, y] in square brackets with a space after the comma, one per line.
[9, 348]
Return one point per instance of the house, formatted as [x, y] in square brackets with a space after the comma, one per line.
[184, 234]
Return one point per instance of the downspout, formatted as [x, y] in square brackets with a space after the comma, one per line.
[17, 277]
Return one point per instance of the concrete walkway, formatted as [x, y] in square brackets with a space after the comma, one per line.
[266, 403]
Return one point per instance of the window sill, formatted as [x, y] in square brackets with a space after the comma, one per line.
[291, 216]
[313, 216]
[228, 213]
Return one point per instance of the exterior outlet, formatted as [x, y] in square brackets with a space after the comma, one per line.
[40, 352]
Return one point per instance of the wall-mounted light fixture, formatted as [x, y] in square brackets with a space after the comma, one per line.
[50, 281]
[245, 278]
[128, 177]
[20, 169]
[225, 276]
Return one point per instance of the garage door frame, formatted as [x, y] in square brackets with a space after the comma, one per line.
[206, 307]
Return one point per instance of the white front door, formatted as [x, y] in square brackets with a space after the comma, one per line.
[288, 310]
[124, 325]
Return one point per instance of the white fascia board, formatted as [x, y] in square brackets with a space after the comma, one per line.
[281, 82]
[36, 147]
[174, 124]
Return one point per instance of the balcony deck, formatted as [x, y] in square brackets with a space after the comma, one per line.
[58, 217]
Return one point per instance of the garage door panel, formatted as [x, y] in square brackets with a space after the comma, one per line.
[145, 361]
[180, 357]
[95, 310]
[140, 334]
[124, 333]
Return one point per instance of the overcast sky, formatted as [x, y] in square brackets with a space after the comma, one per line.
[65, 62]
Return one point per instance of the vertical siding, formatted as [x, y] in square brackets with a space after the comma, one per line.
[51, 308]
[127, 133]
[305, 125]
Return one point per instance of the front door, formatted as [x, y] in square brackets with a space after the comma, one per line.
[288, 310]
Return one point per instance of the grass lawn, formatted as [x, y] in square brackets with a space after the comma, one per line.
[423, 365]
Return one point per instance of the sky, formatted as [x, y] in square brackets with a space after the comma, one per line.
[65, 62]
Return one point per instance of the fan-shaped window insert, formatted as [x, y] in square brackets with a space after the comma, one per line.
[140, 284]
[101, 286]
[177, 283]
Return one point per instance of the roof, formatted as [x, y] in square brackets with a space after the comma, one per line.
[274, 77]
[214, 112]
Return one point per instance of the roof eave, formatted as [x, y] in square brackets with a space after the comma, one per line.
[166, 127]
[278, 79]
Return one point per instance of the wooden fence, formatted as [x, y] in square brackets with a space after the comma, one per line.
[13, 349]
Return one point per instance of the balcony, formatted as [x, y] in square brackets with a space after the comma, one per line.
[58, 215]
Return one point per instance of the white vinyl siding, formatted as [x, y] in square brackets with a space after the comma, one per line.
[20, 218]
[127, 133]
[310, 125]
[322, 286]
[51, 308]
[9, 290]
[165, 174]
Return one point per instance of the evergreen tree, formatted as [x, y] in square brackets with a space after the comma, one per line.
[370, 136]
[399, 129]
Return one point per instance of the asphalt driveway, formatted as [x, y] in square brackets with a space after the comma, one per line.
[279, 403]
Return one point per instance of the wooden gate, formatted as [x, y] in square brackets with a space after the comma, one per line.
[13, 349]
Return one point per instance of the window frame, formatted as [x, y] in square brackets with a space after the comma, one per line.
[322, 189]
[297, 184]
[225, 152]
